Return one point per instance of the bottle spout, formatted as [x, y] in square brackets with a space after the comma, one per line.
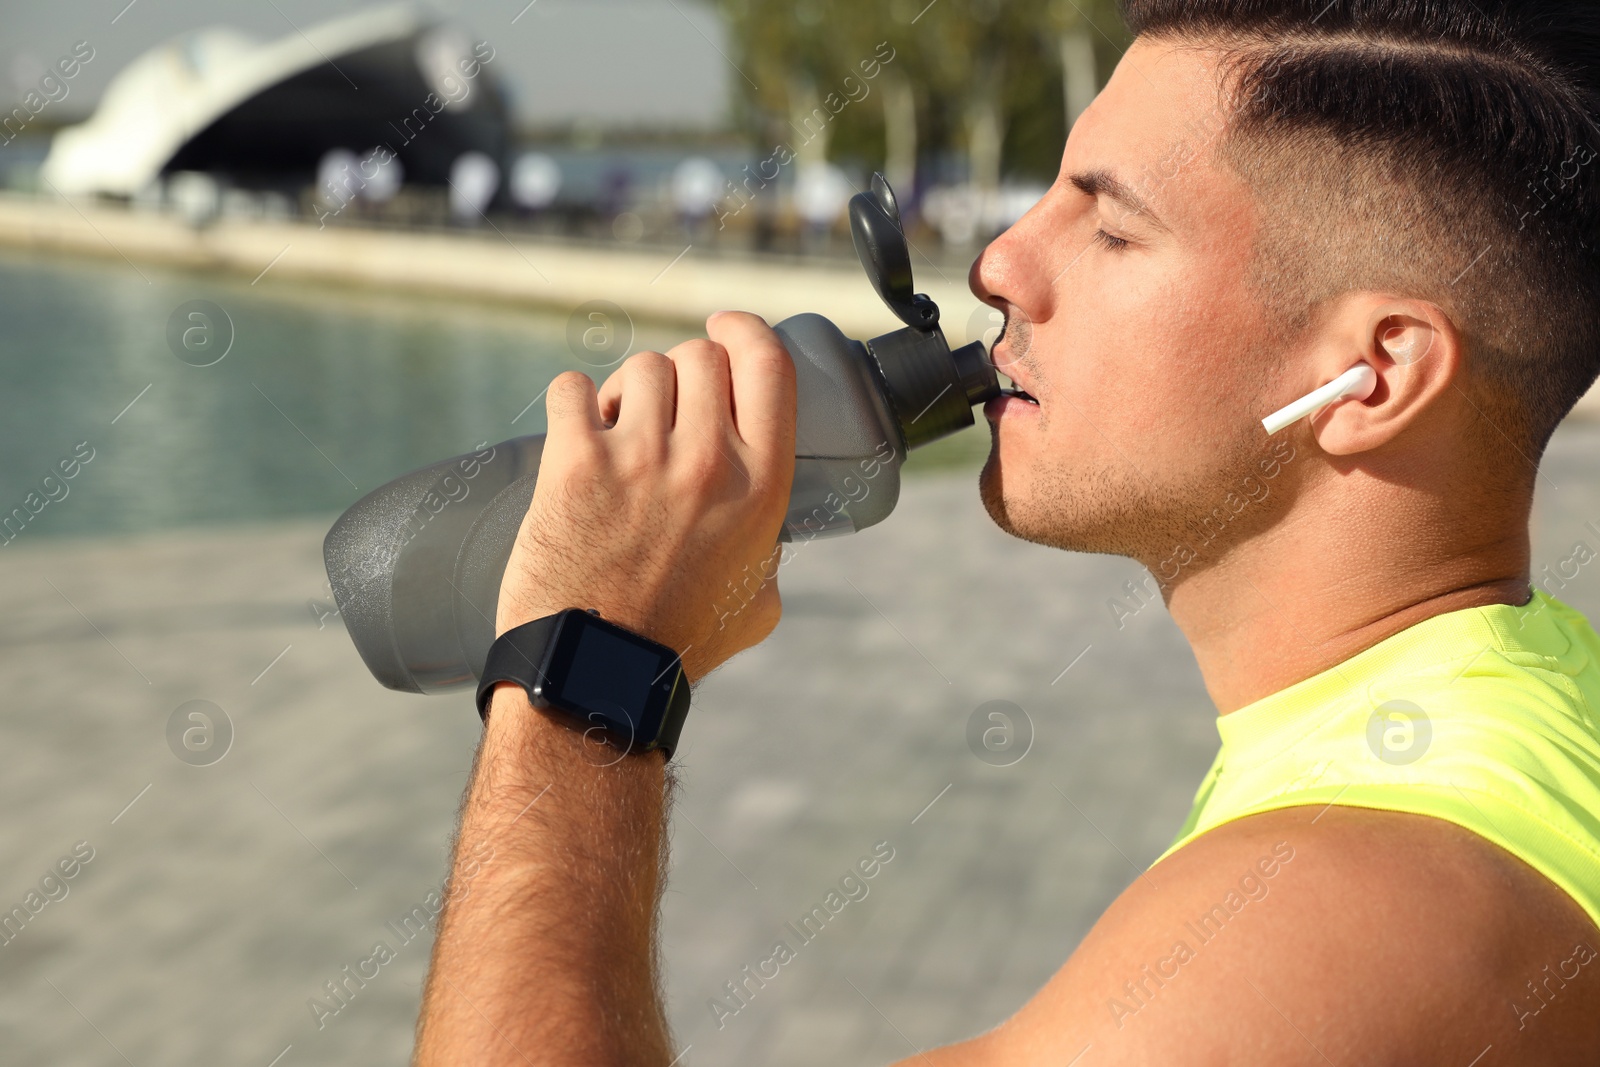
[976, 374]
[930, 388]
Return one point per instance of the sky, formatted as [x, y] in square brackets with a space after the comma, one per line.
[613, 62]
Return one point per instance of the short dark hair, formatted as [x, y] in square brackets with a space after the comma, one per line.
[1451, 146]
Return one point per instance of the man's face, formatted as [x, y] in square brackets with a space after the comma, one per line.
[1151, 361]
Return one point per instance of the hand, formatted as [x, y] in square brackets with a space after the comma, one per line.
[657, 492]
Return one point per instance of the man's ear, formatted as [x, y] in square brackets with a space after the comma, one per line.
[1415, 350]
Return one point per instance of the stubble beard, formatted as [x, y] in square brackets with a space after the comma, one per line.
[1112, 510]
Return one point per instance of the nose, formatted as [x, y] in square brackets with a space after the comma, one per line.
[1014, 270]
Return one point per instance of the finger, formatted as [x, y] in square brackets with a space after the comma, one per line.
[570, 406]
[610, 397]
[616, 383]
[762, 381]
[646, 394]
[705, 399]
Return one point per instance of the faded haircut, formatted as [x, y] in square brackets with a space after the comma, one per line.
[1447, 150]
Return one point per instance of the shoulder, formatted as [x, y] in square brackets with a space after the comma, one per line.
[1314, 935]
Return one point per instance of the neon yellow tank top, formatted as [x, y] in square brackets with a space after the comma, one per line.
[1488, 718]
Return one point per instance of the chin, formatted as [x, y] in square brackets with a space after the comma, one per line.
[999, 488]
[1011, 510]
[992, 492]
[1052, 514]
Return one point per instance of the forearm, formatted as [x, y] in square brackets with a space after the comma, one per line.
[546, 949]
[649, 499]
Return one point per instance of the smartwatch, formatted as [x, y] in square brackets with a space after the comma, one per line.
[597, 674]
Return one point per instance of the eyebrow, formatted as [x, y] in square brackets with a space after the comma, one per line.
[1101, 182]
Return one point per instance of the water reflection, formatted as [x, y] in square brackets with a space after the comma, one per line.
[365, 386]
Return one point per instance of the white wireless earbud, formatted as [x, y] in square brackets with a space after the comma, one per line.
[1357, 383]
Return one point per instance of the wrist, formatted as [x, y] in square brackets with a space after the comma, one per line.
[610, 685]
[536, 776]
[517, 736]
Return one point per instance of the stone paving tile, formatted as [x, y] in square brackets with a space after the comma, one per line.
[221, 899]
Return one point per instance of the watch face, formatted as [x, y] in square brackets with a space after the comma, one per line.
[610, 677]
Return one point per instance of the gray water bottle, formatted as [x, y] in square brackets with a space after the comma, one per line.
[415, 565]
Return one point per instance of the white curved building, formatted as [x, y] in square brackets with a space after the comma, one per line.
[261, 116]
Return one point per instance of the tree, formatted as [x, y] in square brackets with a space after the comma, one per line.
[996, 82]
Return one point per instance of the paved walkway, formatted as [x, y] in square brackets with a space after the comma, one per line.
[220, 899]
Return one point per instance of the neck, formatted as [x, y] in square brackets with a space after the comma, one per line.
[1316, 589]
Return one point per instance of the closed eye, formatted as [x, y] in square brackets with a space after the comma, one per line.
[1115, 244]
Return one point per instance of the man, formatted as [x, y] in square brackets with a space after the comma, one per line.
[1265, 195]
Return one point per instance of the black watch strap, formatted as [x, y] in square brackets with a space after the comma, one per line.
[518, 655]
[522, 655]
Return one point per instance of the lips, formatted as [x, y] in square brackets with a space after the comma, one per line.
[1011, 404]
[1015, 399]
[1018, 387]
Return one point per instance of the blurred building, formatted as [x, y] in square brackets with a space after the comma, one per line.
[583, 120]
[385, 82]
